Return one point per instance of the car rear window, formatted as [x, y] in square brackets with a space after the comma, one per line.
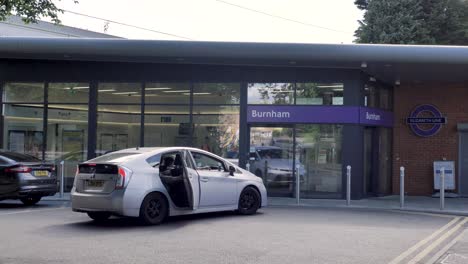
[113, 157]
[19, 157]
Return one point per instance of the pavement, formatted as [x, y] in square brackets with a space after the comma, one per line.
[51, 233]
[453, 206]
[423, 204]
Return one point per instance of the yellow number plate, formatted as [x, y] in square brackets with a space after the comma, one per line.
[95, 183]
[41, 173]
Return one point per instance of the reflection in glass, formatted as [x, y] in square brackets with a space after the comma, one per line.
[378, 96]
[271, 158]
[216, 93]
[271, 93]
[23, 129]
[118, 127]
[216, 129]
[68, 93]
[167, 126]
[23, 92]
[125, 93]
[318, 160]
[319, 94]
[167, 93]
[67, 139]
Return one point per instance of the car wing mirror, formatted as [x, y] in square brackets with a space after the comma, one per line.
[232, 170]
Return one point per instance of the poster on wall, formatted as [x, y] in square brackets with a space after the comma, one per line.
[72, 141]
[449, 168]
[16, 141]
[106, 142]
[28, 142]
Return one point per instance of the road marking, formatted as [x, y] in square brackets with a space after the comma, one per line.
[32, 211]
[423, 213]
[436, 243]
[446, 248]
[421, 243]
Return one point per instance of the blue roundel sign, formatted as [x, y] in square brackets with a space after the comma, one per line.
[426, 115]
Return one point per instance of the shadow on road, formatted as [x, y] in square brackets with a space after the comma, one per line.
[131, 223]
[20, 205]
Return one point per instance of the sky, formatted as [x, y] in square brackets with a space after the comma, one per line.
[304, 21]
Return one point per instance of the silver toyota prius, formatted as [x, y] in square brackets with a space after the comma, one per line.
[153, 183]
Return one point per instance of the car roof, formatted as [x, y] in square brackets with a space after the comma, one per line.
[147, 152]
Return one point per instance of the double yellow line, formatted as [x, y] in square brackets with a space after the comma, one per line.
[443, 233]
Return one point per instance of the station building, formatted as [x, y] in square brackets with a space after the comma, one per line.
[294, 114]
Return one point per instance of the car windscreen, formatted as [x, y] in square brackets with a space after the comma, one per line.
[18, 157]
[114, 157]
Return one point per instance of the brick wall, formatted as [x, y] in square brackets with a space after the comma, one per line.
[416, 153]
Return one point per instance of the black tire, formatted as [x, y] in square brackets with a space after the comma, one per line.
[154, 209]
[99, 216]
[31, 200]
[249, 201]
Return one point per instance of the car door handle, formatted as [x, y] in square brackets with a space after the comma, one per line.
[204, 179]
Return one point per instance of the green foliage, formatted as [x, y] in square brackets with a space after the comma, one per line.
[443, 22]
[30, 11]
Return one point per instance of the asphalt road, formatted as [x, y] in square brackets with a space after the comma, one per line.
[51, 233]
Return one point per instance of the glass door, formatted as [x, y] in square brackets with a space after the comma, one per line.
[271, 157]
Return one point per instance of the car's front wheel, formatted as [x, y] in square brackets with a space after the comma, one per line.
[31, 200]
[99, 216]
[154, 209]
[249, 201]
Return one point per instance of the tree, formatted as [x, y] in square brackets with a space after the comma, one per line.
[413, 22]
[30, 10]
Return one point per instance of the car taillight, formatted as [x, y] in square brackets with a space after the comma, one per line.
[19, 169]
[123, 177]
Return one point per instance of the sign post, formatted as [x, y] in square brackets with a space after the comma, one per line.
[62, 177]
[348, 185]
[442, 189]
[402, 187]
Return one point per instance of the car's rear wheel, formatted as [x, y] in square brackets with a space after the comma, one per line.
[30, 200]
[99, 216]
[249, 201]
[154, 209]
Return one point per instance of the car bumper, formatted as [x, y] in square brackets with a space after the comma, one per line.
[91, 202]
[37, 190]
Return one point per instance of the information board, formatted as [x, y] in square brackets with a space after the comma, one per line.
[449, 167]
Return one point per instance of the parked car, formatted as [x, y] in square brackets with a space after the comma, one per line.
[26, 178]
[272, 164]
[153, 183]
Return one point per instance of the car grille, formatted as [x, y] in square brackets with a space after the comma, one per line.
[45, 181]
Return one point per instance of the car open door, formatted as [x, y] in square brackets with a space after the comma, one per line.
[177, 177]
[192, 180]
[217, 187]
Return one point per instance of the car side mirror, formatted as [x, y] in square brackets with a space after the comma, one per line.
[232, 170]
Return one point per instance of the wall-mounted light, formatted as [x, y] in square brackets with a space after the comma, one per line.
[363, 64]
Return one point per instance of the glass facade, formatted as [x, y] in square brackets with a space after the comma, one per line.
[296, 93]
[318, 152]
[310, 153]
[52, 121]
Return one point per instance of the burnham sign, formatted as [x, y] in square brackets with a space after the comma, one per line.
[426, 115]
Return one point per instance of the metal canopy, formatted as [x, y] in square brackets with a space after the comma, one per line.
[389, 63]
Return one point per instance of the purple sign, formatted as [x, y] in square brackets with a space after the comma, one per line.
[436, 120]
[319, 115]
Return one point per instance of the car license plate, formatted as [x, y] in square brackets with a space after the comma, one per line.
[41, 173]
[95, 184]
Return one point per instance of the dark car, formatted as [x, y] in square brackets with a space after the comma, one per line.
[26, 178]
